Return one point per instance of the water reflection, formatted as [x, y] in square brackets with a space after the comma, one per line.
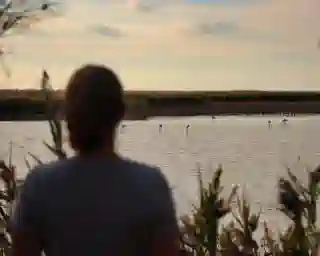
[249, 152]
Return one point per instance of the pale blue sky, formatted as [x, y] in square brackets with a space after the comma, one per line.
[171, 44]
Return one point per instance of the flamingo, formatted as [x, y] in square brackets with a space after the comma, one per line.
[187, 129]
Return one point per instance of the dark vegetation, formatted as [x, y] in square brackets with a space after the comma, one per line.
[30, 104]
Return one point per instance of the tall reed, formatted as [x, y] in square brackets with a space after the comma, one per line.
[200, 234]
[10, 192]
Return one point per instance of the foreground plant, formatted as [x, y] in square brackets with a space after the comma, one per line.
[201, 229]
[9, 194]
[18, 21]
[238, 234]
[7, 197]
[236, 237]
[299, 204]
[200, 234]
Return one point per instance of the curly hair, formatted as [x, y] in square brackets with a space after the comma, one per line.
[94, 106]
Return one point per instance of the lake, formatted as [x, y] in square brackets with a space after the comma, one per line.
[252, 152]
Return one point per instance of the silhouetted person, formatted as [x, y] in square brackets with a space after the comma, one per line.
[95, 203]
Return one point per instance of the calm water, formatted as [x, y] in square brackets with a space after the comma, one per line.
[250, 151]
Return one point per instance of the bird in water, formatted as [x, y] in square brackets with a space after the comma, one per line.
[160, 127]
[270, 124]
[45, 6]
[187, 129]
[123, 126]
[284, 121]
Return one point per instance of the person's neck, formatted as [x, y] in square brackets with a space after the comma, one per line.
[108, 151]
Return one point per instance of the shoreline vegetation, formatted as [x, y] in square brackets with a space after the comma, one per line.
[203, 232]
[30, 104]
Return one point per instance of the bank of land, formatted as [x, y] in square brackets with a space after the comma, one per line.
[31, 104]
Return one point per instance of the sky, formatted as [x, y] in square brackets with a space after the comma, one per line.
[173, 44]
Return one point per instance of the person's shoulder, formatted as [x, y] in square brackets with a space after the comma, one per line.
[47, 171]
[145, 172]
[151, 184]
[143, 167]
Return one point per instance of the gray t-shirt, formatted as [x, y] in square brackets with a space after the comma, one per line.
[95, 207]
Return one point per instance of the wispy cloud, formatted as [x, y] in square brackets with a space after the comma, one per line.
[228, 30]
[106, 31]
[218, 28]
[227, 2]
[142, 6]
[301, 58]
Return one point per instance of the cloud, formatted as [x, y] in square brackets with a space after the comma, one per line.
[227, 30]
[301, 58]
[27, 30]
[106, 31]
[36, 32]
[217, 28]
[141, 6]
[226, 2]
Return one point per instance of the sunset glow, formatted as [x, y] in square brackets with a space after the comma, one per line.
[191, 45]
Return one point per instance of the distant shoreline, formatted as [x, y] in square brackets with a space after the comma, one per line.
[31, 104]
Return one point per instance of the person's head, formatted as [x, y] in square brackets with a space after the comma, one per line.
[94, 106]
